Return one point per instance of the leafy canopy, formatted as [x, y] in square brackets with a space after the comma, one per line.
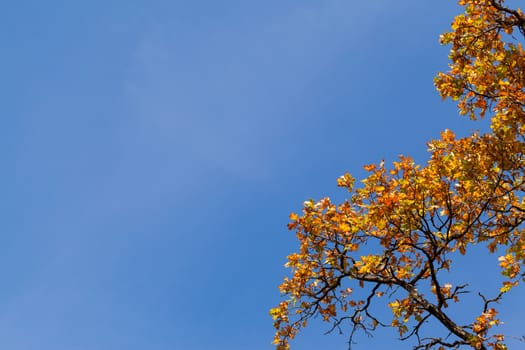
[397, 234]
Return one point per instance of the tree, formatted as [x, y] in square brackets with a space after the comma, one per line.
[393, 241]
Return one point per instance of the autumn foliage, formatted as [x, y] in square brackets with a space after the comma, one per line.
[396, 236]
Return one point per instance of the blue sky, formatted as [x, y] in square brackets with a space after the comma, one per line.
[153, 151]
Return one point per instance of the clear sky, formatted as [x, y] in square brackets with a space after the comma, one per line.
[152, 151]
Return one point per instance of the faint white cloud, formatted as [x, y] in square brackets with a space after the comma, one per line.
[219, 94]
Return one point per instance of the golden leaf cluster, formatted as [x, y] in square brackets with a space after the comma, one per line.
[397, 233]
